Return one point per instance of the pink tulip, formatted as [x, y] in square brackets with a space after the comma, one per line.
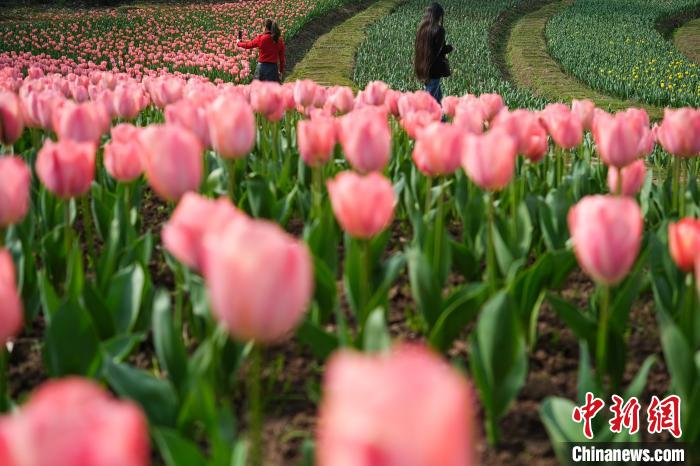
[316, 140]
[266, 99]
[469, 116]
[619, 138]
[363, 205]
[127, 101]
[684, 242]
[492, 104]
[11, 121]
[438, 150]
[304, 92]
[172, 160]
[405, 408]
[563, 125]
[122, 155]
[366, 139]
[194, 218]
[414, 123]
[14, 191]
[697, 273]
[81, 123]
[373, 94]
[633, 177]
[525, 127]
[607, 232]
[74, 422]
[66, 167]
[679, 133]
[584, 109]
[419, 101]
[10, 302]
[341, 100]
[489, 159]
[449, 105]
[232, 127]
[190, 114]
[259, 278]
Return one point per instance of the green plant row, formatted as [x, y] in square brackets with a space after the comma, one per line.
[613, 46]
[387, 52]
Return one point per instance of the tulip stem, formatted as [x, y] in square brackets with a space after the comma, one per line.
[676, 184]
[428, 197]
[317, 175]
[255, 403]
[618, 189]
[231, 168]
[366, 287]
[491, 252]
[602, 342]
[492, 434]
[68, 231]
[87, 226]
[4, 366]
[127, 202]
[439, 223]
[689, 312]
[2, 237]
[682, 184]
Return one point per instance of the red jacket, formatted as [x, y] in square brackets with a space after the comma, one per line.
[270, 51]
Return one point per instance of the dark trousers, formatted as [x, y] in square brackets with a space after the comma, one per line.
[267, 72]
[433, 88]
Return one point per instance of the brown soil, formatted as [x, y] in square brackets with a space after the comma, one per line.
[304, 40]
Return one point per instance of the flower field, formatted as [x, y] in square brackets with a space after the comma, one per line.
[201, 270]
[198, 39]
[625, 58]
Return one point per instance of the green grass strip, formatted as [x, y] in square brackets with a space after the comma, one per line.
[687, 40]
[532, 67]
[331, 60]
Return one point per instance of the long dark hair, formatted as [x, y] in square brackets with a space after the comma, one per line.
[427, 29]
[273, 29]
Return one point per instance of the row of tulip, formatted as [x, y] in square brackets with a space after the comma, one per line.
[194, 39]
[532, 193]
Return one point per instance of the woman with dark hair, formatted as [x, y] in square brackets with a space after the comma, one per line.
[431, 51]
[271, 47]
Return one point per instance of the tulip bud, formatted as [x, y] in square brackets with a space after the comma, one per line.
[438, 149]
[633, 177]
[363, 205]
[122, 155]
[366, 139]
[66, 167]
[232, 127]
[606, 232]
[11, 121]
[679, 133]
[316, 140]
[489, 159]
[684, 242]
[14, 190]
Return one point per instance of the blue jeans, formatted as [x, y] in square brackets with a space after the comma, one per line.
[433, 87]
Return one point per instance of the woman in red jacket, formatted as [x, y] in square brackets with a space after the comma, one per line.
[271, 48]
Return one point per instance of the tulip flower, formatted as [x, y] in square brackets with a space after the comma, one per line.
[127, 101]
[80, 122]
[564, 126]
[679, 133]
[607, 233]
[266, 99]
[172, 160]
[71, 422]
[11, 119]
[66, 167]
[304, 92]
[438, 149]
[469, 116]
[194, 218]
[340, 100]
[10, 302]
[489, 159]
[630, 181]
[232, 127]
[404, 408]
[697, 273]
[363, 205]
[122, 155]
[414, 123]
[316, 140]
[618, 138]
[525, 127]
[366, 139]
[191, 114]
[684, 243]
[449, 105]
[492, 104]
[373, 94]
[14, 191]
[584, 109]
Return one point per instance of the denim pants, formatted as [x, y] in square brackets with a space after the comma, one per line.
[433, 88]
[267, 72]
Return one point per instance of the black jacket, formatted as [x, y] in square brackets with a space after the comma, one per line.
[439, 67]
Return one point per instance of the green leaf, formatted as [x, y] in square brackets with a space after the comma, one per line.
[376, 333]
[325, 291]
[460, 308]
[49, 298]
[125, 295]
[156, 396]
[119, 347]
[321, 343]
[177, 450]
[426, 290]
[583, 326]
[556, 417]
[678, 355]
[71, 345]
[167, 338]
[75, 277]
